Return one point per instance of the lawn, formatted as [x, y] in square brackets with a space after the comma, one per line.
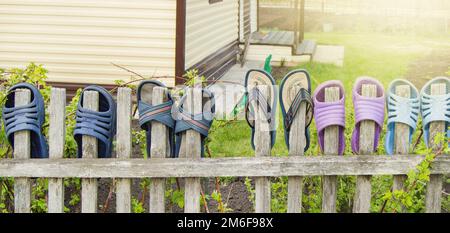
[384, 57]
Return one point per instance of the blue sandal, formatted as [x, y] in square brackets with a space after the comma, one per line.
[435, 107]
[291, 101]
[201, 122]
[160, 113]
[99, 124]
[401, 110]
[253, 79]
[27, 117]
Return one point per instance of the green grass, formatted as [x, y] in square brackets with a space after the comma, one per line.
[384, 57]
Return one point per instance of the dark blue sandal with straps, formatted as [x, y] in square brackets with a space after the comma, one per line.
[199, 122]
[26, 117]
[149, 112]
[100, 124]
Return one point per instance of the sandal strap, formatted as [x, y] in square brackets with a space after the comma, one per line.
[19, 118]
[328, 114]
[256, 96]
[195, 122]
[368, 108]
[403, 110]
[95, 124]
[435, 108]
[200, 122]
[160, 113]
[302, 96]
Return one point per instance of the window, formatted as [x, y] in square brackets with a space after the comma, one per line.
[214, 1]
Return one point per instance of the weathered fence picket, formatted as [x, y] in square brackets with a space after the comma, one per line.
[366, 140]
[158, 150]
[434, 187]
[192, 143]
[401, 137]
[296, 148]
[89, 186]
[22, 150]
[262, 148]
[331, 147]
[123, 148]
[57, 135]
[191, 167]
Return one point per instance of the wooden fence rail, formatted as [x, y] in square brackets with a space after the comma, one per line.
[191, 167]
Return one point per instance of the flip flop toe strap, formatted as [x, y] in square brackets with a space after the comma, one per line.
[255, 96]
[435, 108]
[367, 108]
[303, 96]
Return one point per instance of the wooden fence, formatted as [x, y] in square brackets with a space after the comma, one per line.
[191, 167]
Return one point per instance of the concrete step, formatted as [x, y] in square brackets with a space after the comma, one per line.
[307, 47]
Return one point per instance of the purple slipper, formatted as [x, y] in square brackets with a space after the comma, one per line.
[329, 113]
[367, 108]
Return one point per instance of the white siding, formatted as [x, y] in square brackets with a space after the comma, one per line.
[209, 27]
[77, 40]
[254, 15]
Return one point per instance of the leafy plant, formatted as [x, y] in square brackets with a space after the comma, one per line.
[411, 197]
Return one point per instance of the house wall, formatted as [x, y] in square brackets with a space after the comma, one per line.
[210, 28]
[253, 17]
[77, 40]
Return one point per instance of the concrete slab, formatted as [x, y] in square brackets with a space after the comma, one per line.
[329, 54]
[229, 89]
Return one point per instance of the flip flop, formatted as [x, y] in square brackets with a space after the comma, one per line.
[253, 79]
[291, 101]
[367, 108]
[435, 107]
[26, 117]
[401, 110]
[200, 122]
[330, 113]
[99, 124]
[149, 112]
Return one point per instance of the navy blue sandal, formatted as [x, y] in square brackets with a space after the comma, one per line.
[160, 113]
[27, 117]
[99, 124]
[201, 122]
[253, 79]
[291, 101]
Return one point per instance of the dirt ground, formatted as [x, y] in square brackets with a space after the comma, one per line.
[432, 65]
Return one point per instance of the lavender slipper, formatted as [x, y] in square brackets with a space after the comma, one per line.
[329, 113]
[367, 108]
